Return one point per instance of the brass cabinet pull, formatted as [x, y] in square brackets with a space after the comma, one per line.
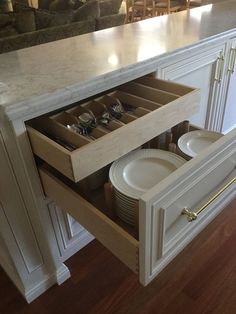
[219, 67]
[193, 215]
[232, 59]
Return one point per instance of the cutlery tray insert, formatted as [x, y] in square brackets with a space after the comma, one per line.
[149, 107]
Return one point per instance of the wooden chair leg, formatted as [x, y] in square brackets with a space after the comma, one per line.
[144, 13]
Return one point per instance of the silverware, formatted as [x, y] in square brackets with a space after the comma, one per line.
[82, 130]
[61, 142]
[87, 119]
[129, 108]
[105, 118]
[117, 109]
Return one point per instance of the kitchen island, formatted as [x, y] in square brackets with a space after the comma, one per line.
[195, 48]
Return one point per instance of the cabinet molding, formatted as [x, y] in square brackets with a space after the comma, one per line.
[200, 68]
[228, 110]
[71, 236]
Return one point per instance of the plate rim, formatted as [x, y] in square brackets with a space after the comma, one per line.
[189, 134]
[129, 192]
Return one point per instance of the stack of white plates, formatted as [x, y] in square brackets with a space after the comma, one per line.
[135, 174]
[194, 142]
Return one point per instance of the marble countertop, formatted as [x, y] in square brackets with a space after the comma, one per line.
[41, 78]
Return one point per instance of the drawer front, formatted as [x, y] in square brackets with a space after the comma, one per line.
[159, 106]
[199, 184]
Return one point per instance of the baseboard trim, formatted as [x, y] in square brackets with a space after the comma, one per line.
[75, 247]
[58, 277]
[230, 129]
[62, 274]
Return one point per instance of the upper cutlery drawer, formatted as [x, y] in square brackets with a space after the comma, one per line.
[88, 136]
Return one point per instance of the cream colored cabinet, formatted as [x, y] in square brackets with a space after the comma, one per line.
[202, 68]
[208, 69]
[44, 212]
[229, 98]
[164, 213]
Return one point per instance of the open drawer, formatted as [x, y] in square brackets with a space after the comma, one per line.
[206, 181]
[156, 106]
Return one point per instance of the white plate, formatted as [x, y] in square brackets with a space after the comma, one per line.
[125, 206]
[137, 172]
[194, 142]
[130, 207]
[128, 201]
[124, 213]
[128, 211]
[125, 219]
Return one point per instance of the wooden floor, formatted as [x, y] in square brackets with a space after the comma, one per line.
[202, 279]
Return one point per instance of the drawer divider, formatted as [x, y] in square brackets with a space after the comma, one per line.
[148, 92]
[170, 87]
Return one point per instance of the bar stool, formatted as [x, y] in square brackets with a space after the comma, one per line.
[161, 7]
[138, 9]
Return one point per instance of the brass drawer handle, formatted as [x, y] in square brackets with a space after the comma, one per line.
[219, 67]
[232, 60]
[193, 215]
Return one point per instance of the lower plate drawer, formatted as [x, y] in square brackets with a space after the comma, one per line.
[162, 229]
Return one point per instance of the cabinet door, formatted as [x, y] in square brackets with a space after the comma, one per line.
[71, 236]
[229, 120]
[202, 70]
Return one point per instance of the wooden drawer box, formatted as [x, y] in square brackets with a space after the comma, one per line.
[159, 105]
[163, 229]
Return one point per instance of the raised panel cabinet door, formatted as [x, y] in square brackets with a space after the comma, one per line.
[70, 235]
[229, 118]
[203, 70]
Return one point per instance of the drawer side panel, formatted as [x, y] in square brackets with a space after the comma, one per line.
[114, 238]
[53, 153]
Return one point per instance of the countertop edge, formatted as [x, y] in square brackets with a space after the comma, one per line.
[38, 105]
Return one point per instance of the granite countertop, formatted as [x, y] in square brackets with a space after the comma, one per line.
[41, 78]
